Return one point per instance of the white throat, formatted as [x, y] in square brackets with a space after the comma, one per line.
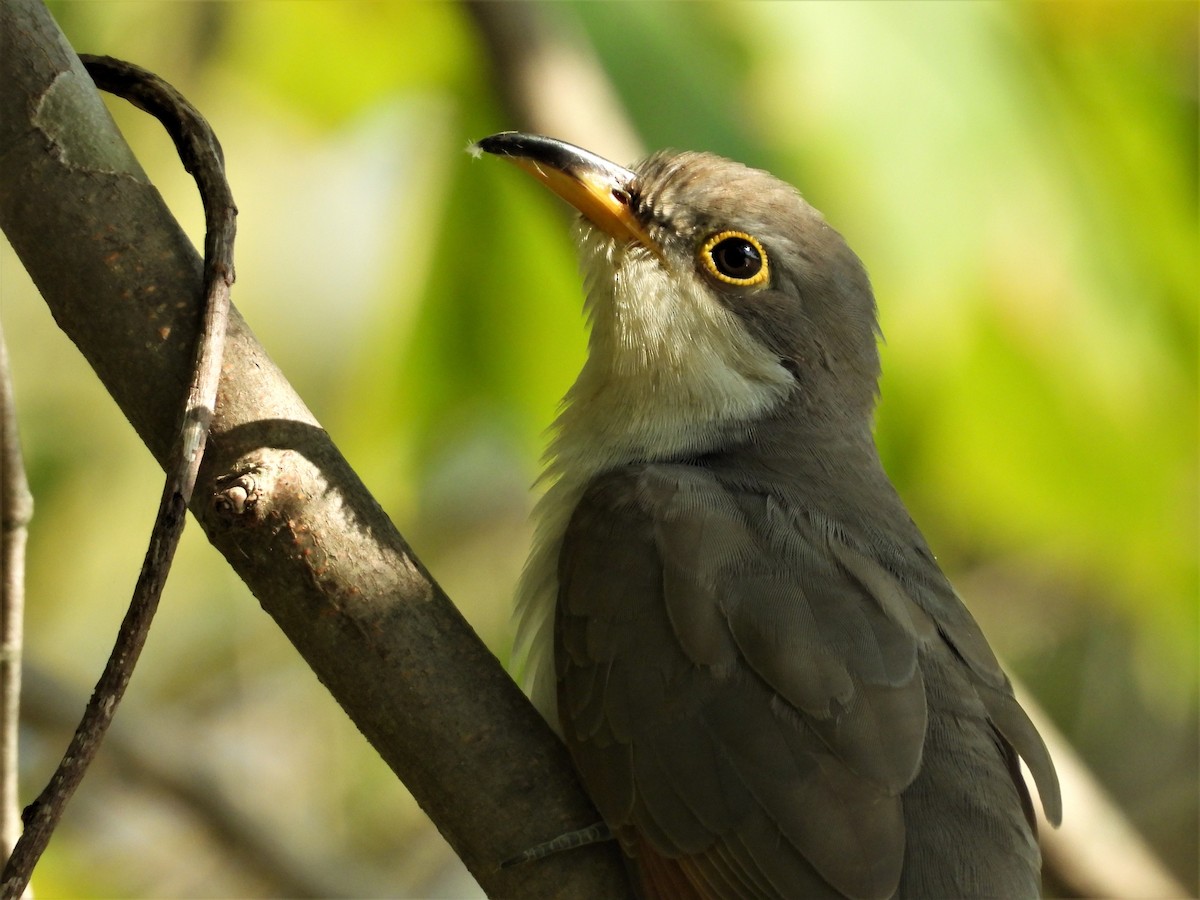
[670, 371]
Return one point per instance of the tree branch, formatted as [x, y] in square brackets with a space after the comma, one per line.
[550, 79]
[273, 494]
[16, 509]
[1096, 852]
[157, 759]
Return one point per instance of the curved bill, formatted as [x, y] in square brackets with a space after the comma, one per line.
[599, 189]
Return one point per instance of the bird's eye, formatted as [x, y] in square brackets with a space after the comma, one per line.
[735, 258]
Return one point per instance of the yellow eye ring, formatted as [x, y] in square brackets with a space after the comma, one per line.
[735, 257]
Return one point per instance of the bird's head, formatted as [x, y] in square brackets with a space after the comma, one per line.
[719, 299]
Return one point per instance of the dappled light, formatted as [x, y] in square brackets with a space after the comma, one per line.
[1020, 181]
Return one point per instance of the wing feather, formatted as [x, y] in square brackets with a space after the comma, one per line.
[742, 689]
[686, 636]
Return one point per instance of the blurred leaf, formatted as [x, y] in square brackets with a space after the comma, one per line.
[298, 51]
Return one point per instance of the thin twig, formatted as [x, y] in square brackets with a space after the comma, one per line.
[16, 509]
[201, 155]
[275, 496]
[145, 755]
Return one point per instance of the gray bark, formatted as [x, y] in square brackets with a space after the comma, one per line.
[274, 494]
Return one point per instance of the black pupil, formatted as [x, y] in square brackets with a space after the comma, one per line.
[736, 258]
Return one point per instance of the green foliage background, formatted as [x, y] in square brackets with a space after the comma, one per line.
[1020, 179]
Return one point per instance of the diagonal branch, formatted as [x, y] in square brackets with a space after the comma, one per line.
[273, 493]
[16, 509]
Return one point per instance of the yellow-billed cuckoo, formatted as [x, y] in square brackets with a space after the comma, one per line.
[768, 686]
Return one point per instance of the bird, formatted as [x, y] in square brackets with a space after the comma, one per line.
[765, 682]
